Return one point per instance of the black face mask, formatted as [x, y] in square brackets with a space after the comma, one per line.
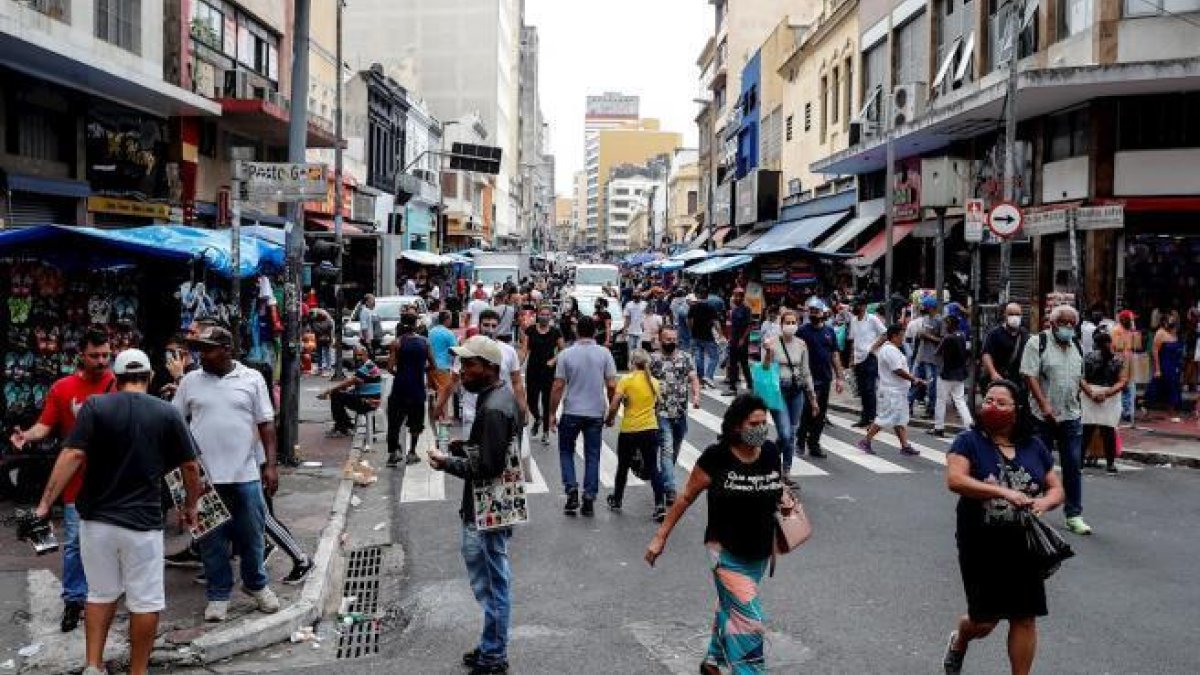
[669, 348]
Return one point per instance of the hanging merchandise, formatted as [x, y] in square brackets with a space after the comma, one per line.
[801, 274]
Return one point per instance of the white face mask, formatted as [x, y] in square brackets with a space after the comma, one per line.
[1013, 321]
[789, 329]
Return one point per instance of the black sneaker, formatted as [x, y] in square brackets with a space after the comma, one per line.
[393, 459]
[1111, 468]
[817, 453]
[299, 573]
[572, 503]
[614, 504]
[411, 458]
[72, 614]
[660, 513]
[188, 557]
[589, 507]
[493, 669]
[471, 658]
[952, 662]
[939, 433]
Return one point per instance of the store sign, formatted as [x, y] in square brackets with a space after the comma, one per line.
[722, 206]
[1107, 217]
[906, 191]
[1042, 222]
[747, 200]
[974, 220]
[284, 181]
[129, 207]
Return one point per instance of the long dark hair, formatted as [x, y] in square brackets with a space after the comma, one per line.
[1023, 425]
[735, 416]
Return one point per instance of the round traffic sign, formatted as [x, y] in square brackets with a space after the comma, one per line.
[1005, 220]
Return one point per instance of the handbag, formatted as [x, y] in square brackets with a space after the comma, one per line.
[792, 527]
[1047, 549]
[766, 384]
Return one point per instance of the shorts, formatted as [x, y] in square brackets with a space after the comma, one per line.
[439, 381]
[119, 561]
[892, 407]
[406, 412]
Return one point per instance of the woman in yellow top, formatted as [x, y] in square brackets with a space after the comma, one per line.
[639, 430]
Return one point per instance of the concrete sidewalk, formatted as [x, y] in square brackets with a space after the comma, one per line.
[312, 502]
[1155, 440]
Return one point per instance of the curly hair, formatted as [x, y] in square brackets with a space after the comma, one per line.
[736, 414]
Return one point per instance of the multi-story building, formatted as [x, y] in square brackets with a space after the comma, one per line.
[464, 58]
[607, 111]
[468, 197]
[635, 144]
[564, 223]
[580, 201]
[629, 188]
[683, 197]
[1106, 141]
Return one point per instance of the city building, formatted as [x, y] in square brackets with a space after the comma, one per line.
[564, 223]
[628, 190]
[606, 111]
[536, 195]
[580, 202]
[463, 58]
[682, 208]
[467, 197]
[633, 144]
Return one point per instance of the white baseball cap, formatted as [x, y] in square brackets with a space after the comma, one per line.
[131, 362]
[480, 347]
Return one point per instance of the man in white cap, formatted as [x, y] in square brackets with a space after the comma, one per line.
[493, 432]
[130, 441]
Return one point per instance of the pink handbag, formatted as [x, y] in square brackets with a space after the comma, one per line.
[792, 526]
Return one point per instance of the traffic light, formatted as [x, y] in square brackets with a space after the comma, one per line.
[475, 158]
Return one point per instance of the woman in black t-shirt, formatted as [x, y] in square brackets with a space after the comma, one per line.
[743, 477]
[568, 321]
[539, 350]
[603, 323]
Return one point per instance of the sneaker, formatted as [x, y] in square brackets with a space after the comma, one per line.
[188, 557]
[817, 453]
[589, 507]
[337, 433]
[93, 670]
[1112, 468]
[614, 504]
[1076, 525]
[861, 424]
[471, 658]
[545, 440]
[269, 549]
[909, 450]
[393, 460]
[572, 503]
[267, 601]
[865, 446]
[660, 513]
[491, 669]
[938, 433]
[953, 660]
[200, 578]
[71, 616]
[299, 573]
[412, 458]
[216, 610]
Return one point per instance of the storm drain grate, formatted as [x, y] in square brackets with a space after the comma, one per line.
[362, 582]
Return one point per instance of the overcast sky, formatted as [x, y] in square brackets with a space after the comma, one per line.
[643, 47]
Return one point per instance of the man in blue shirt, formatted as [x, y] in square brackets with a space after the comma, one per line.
[360, 392]
[826, 368]
[739, 340]
[441, 341]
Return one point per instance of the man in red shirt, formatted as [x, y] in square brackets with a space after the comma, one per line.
[63, 401]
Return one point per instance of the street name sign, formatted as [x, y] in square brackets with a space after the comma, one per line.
[284, 181]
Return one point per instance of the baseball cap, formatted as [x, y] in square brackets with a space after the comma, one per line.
[817, 304]
[212, 336]
[131, 362]
[480, 347]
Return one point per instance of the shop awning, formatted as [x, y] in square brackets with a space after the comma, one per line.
[701, 239]
[793, 234]
[690, 256]
[720, 234]
[169, 242]
[749, 238]
[48, 186]
[715, 265]
[326, 224]
[424, 258]
[869, 213]
[874, 250]
[272, 234]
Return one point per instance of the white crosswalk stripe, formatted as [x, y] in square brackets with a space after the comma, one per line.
[713, 424]
[422, 483]
[887, 438]
[850, 453]
[608, 466]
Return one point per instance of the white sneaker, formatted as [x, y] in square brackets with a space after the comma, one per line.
[216, 611]
[268, 602]
[93, 670]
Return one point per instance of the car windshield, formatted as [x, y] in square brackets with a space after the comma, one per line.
[389, 310]
[587, 305]
[595, 276]
[495, 275]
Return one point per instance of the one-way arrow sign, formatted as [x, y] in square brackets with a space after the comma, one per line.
[1005, 220]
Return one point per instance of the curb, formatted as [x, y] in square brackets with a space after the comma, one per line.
[275, 628]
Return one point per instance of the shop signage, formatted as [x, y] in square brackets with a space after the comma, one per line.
[974, 221]
[747, 200]
[722, 208]
[129, 207]
[284, 181]
[1005, 220]
[1107, 217]
[906, 191]
[1045, 222]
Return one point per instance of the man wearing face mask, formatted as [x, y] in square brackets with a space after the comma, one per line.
[739, 341]
[676, 370]
[826, 368]
[539, 350]
[1002, 347]
[1052, 366]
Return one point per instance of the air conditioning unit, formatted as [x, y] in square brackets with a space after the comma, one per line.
[794, 186]
[278, 99]
[907, 102]
[237, 84]
[862, 131]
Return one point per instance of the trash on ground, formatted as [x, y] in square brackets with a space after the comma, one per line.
[360, 472]
[305, 634]
[30, 649]
[379, 526]
[355, 501]
[312, 465]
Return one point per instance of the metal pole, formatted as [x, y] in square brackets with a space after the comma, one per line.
[338, 370]
[1073, 238]
[1010, 139]
[289, 381]
[976, 329]
[939, 258]
[888, 263]
[235, 253]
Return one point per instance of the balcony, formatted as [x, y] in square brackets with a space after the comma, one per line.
[59, 10]
[251, 106]
[720, 67]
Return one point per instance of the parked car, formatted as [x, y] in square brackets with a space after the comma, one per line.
[390, 307]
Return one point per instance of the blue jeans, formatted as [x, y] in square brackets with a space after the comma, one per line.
[787, 424]
[707, 357]
[486, 557]
[74, 582]
[248, 515]
[671, 432]
[1129, 401]
[1067, 438]
[928, 372]
[569, 428]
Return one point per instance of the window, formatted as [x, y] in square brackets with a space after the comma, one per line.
[1075, 16]
[208, 25]
[998, 29]
[824, 105]
[1156, 7]
[55, 9]
[911, 57]
[847, 104]
[789, 124]
[834, 104]
[874, 65]
[1158, 122]
[1067, 135]
[693, 202]
[808, 116]
[119, 22]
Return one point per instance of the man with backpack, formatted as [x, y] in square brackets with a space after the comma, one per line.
[1002, 347]
[1052, 365]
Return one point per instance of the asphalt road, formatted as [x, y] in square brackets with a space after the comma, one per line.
[875, 591]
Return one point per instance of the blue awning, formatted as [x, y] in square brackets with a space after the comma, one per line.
[714, 265]
[792, 234]
[49, 186]
[169, 242]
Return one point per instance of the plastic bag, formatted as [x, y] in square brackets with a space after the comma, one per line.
[766, 384]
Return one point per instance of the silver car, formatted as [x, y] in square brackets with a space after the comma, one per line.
[390, 307]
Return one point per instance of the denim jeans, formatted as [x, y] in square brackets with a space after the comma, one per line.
[928, 372]
[244, 529]
[1129, 401]
[671, 432]
[1067, 438]
[707, 356]
[787, 424]
[486, 558]
[74, 582]
[569, 428]
[866, 379]
[812, 426]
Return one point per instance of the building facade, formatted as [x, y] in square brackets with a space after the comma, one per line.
[635, 145]
[683, 197]
[610, 110]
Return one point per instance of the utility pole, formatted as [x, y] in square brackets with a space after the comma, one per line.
[1010, 138]
[289, 383]
[889, 180]
[939, 274]
[235, 253]
[339, 372]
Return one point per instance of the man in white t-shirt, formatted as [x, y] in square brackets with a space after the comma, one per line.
[894, 381]
[510, 375]
[865, 330]
[477, 305]
[634, 311]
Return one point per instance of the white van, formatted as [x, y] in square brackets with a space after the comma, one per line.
[592, 279]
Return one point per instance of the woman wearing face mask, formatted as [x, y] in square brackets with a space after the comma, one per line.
[1104, 378]
[796, 384]
[1167, 359]
[539, 351]
[997, 468]
[639, 392]
[568, 320]
[742, 474]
